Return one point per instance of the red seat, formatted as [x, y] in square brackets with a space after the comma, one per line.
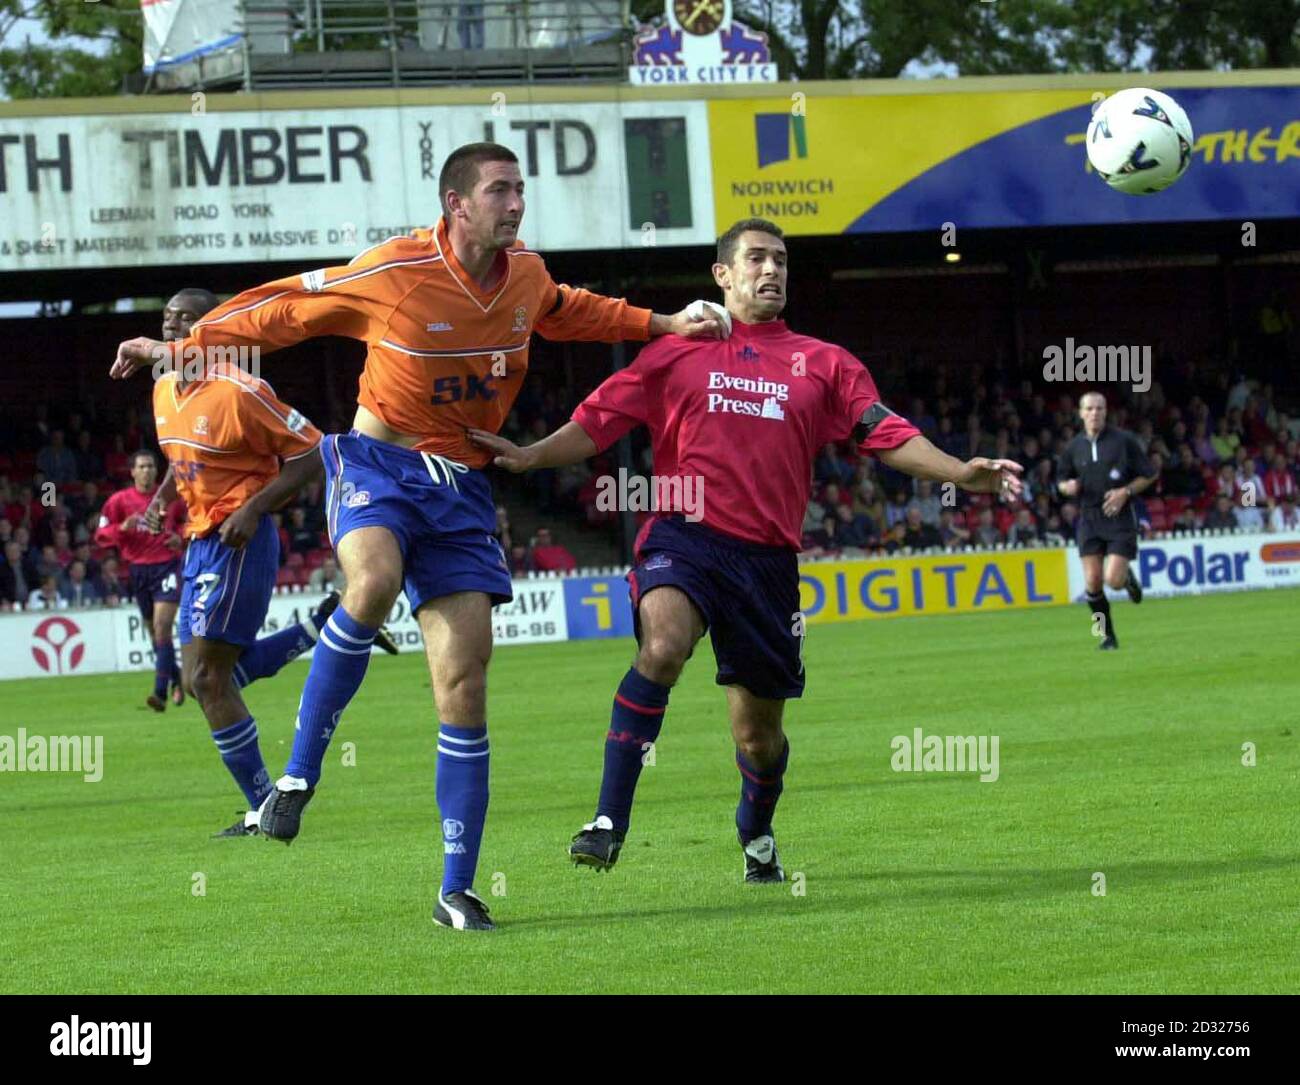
[293, 561]
[316, 558]
[1175, 505]
[285, 577]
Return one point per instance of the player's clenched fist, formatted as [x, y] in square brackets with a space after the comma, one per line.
[135, 354]
[696, 321]
[240, 526]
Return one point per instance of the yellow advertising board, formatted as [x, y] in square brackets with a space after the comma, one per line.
[844, 591]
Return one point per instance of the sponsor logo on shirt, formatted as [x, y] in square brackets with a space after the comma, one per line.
[361, 497]
[659, 561]
[521, 319]
[1114, 473]
[438, 326]
[314, 281]
[773, 393]
[295, 421]
[201, 425]
[160, 419]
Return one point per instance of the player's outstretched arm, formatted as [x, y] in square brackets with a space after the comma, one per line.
[578, 314]
[347, 301]
[921, 459]
[568, 444]
[241, 525]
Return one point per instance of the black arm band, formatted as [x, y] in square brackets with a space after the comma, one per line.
[871, 418]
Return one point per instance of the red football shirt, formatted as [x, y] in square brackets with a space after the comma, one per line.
[137, 546]
[744, 418]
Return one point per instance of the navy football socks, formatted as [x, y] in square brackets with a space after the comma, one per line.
[759, 791]
[637, 716]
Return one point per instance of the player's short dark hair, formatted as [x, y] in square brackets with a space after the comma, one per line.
[728, 242]
[144, 452]
[460, 171]
[204, 300]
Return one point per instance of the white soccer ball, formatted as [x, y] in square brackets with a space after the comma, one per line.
[1139, 141]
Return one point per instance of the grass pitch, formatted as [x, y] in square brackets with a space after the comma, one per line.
[1126, 764]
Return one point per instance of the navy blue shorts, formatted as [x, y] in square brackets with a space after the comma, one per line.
[441, 512]
[158, 582]
[225, 592]
[747, 592]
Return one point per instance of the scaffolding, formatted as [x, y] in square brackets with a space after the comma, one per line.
[296, 44]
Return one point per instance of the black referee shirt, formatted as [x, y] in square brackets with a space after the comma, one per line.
[1114, 459]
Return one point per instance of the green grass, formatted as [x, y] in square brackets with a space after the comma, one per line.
[1126, 763]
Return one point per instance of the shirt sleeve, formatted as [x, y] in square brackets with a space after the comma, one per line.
[620, 404]
[273, 427]
[571, 313]
[856, 411]
[1065, 469]
[1138, 462]
[109, 531]
[348, 301]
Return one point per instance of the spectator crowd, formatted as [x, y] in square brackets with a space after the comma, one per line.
[1233, 466]
[1228, 460]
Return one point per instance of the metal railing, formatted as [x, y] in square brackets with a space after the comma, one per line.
[284, 27]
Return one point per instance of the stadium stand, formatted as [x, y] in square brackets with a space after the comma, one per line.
[1221, 418]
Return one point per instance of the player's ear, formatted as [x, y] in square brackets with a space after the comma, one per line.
[722, 276]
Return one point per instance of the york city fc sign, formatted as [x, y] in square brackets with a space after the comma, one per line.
[696, 42]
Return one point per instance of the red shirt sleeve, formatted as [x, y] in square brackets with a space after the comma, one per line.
[857, 411]
[109, 532]
[620, 404]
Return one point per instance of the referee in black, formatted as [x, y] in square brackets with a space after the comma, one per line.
[1105, 468]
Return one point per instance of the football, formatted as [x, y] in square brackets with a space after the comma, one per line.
[1139, 141]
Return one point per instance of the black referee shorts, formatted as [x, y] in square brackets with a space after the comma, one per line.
[1104, 535]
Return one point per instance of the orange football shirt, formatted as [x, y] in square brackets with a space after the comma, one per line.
[224, 438]
[444, 354]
